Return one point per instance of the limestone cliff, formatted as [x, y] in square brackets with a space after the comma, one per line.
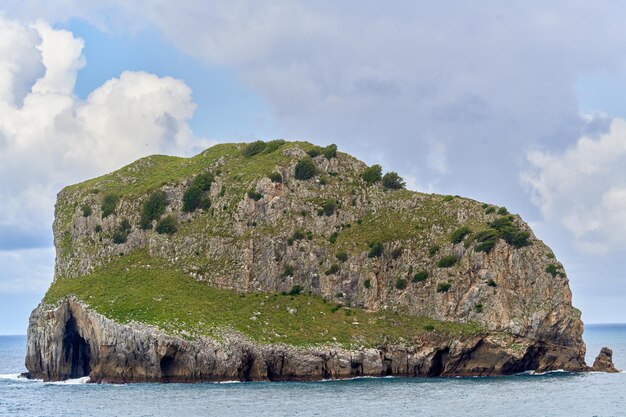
[173, 269]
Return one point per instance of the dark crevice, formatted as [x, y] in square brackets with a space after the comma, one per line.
[245, 369]
[438, 362]
[76, 351]
[167, 365]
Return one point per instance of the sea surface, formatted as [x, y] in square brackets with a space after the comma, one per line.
[552, 394]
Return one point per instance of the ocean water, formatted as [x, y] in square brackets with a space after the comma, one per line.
[552, 394]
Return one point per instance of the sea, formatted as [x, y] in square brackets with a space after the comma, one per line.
[551, 394]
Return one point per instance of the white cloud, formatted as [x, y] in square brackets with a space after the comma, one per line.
[26, 270]
[584, 188]
[49, 138]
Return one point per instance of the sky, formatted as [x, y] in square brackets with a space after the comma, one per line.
[520, 104]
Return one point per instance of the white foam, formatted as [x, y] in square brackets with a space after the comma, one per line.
[75, 381]
[10, 376]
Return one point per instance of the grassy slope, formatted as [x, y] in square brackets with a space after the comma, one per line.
[138, 288]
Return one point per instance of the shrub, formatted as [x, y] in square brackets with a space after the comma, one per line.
[490, 210]
[448, 198]
[367, 283]
[194, 196]
[329, 207]
[255, 195]
[376, 250]
[486, 240]
[509, 232]
[429, 327]
[342, 256]
[253, 148]
[447, 261]
[395, 254]
[314, 151]
[459, 234]
[420, 276]
[400, 284]
[305, 168]
[330, 151]
[443, 286]
[485, 205]
[276, 177]
[109, 203]
[273, 145]
[492, 283]
[503, 211]
[478, 307]
[332, 270]
[309, 235]
[288, 271]
[552, 269]
[98, 228]
[121, 232]
[333, 237]
[167, 225]
[86, 208]
[372, 174]
[433, 250]
[296, 290]
[204, 181]
[298, 235]
[153, 208]
[337, 307]
[392, 181]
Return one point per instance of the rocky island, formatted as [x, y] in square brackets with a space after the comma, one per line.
[288, 261]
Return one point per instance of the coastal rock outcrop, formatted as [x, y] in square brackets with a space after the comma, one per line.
[172, 269]
[604, 361]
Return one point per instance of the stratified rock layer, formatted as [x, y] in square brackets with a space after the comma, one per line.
[604, 361]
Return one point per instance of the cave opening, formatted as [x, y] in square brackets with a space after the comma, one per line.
[167, 365]
[438, 363]
[76, 351]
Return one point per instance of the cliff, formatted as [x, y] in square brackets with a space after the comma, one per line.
[289, 261]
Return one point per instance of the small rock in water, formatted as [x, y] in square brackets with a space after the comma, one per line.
[604, 361]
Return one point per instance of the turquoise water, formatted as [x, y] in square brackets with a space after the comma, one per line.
[553, 394]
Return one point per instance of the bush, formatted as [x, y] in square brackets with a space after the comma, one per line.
[288, 271]
[400, 284]
[552, 269]
[492, 283]
[109, 203]
[298, 235]
[367, 283]
[433, 250]
[447, 198]
[98, 228]
[329, 206]
[372, 174]
[253, 148]
[276, 177]
[486, 240]
[392, 181]
[330, 151]
[194, 196]
[314, 151]
[204, 181]
[376, 250]
[478, 307]
[429, 327]
[342, 256]
[254, 195]
[296, 290]
[333, 237]
[167, 225]
[485, 205]
[332, 270]
[420, 276]
[273, 145]
[509, 232]
[153, 208]
[459, 234]
[443, 287]
[121, 232]
[305, 168]
[395, 254]
[490, 210]
[503, 211]
[86, 208]
[447, 261]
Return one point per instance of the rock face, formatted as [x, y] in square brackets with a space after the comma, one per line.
[604, 361]
[334, 236]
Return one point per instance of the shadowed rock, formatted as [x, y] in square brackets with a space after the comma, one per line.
[604, 361]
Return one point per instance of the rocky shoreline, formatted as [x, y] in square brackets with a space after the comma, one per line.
[70, 341]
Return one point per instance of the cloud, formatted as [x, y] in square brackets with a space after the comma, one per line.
[28, 270]
[49, 138]
[584, 188]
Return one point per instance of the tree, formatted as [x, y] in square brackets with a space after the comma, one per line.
[372, 174]
[392, 181]
[305, 168]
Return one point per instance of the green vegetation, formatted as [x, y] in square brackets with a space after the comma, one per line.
[420, 276]
[253, 148]
[486, 240]
[330, 151]
[121, 232]
[153, 208]
[433, 250]
[195, 196]
[167, 225]
[305, 168]
[492, 283]
[459, 234]
[401, 284]
[447, 198]
[139, 288]
[329, 207]
[447, 261]
[372, 174]
[443, 287]
[490, 210]
[552, 269]
[109, 204]
[392, 181]
[342, 256]
[275, 177]
[478, 307]
[376, 250]
[510, 233]
[86, 209]
[502, 211]
[332, 270]
[295, 290]
[367, 283]
[255, 195]
[288, 271]
[396, 253]
[274, 145]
